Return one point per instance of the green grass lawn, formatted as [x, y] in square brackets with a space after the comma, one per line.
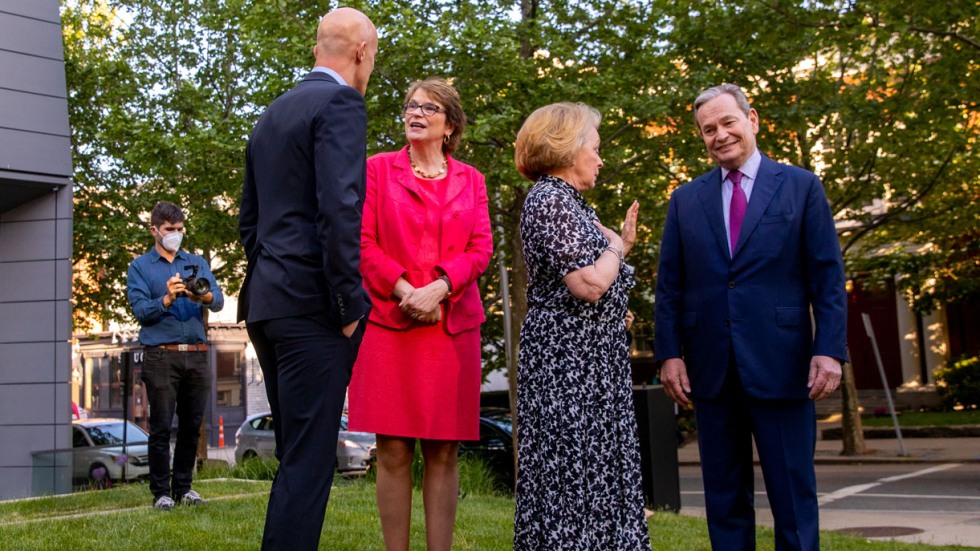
[926, 418]
[121, 518]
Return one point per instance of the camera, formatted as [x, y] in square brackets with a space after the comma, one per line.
[197, 286]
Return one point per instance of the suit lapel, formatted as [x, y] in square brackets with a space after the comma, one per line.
[767, 181]
[709, 192]
[405, 176]
[454, 181]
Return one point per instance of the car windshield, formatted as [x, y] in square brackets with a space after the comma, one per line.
[502, 421]
[111, 434]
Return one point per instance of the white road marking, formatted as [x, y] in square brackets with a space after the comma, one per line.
[857, 489]
[863, 488]
[936, 469]
[921, 496]
[845, 492]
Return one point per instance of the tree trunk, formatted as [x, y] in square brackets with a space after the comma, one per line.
[202, 445]
[852, 432]
[518, 307]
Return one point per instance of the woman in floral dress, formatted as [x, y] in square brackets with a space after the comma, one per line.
[579, 484]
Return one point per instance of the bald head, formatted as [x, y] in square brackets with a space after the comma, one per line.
[340, 31]
[347, 41]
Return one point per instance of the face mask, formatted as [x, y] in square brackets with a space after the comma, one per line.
[171, 241]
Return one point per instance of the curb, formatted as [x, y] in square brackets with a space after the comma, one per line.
[873, 433]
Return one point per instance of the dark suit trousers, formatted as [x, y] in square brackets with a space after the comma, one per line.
[785, 437]
[306, 362]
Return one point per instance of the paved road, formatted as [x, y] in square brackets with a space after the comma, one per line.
[912, 502]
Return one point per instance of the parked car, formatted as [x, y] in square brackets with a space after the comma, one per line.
[495, 446]
[256, 438]
[98, 453]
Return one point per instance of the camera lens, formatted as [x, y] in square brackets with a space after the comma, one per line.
[200, 286]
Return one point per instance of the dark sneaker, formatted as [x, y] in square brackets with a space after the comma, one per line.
[164, 503]
[190, 498]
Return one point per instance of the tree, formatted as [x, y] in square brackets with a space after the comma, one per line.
[162, 96]
[97, 93]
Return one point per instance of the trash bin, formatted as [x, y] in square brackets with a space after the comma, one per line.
[657, 426]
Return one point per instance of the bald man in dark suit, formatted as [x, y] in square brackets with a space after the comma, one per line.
[302, 298]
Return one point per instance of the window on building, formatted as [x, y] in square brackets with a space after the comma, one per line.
[116, 378]
[229, 377]
[96, 377]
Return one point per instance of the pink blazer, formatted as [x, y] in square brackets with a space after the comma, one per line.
[394, 216]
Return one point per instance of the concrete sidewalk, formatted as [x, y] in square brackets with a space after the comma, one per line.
[226, 454]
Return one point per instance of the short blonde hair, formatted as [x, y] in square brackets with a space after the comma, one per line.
[552, 136]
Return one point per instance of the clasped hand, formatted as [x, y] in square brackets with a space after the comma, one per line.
[423, 303]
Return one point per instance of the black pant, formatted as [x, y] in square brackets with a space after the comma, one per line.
[176, 382]
[307, 363]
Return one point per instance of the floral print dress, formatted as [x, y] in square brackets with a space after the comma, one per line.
[578, 483]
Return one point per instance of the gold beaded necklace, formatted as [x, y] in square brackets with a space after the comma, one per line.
[418, 170]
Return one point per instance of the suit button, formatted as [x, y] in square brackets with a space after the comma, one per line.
[728, 322]
[455, 215]
[731, 284]
[452, 247]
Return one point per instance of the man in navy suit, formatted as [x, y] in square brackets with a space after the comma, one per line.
[300, 223]
[750, 323]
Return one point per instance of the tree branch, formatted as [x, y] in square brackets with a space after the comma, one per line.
[955, 35]
[904, 206]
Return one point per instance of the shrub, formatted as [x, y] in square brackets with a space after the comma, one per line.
[958, 382]
[475, 476]
[255, 468]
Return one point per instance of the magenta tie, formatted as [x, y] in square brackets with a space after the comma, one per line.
[737, 210]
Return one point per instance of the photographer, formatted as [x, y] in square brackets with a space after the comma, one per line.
[168, 289]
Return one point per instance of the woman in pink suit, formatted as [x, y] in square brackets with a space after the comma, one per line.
[425, 240]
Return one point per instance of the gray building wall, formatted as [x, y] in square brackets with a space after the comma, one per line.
[35, 251]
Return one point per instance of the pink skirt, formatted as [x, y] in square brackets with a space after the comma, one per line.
[417, 383]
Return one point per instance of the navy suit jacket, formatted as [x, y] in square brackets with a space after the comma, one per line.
[300, 217]
[754, 306]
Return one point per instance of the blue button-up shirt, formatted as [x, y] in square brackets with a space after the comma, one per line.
[146, 285]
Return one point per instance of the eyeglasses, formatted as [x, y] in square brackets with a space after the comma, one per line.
[428, 109]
